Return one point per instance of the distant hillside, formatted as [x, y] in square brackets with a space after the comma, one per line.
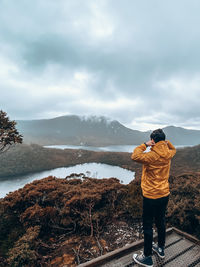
[94, 131]
[181, 136]
[24, 159]
[75, 130]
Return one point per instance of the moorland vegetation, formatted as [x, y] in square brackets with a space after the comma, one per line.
[61, 222]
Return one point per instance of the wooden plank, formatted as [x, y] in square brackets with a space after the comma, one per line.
[113, 254]
[171, 251]
[187, 258]
[186, 235]
[177, 242]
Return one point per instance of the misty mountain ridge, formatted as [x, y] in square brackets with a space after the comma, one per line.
[94, 131]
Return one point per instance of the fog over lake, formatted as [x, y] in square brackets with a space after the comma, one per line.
[95, 170]
[114, 148]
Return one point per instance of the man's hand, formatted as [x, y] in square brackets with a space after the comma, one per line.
[150, 143]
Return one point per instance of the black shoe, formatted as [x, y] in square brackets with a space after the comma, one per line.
[159, 251]
[142, 260]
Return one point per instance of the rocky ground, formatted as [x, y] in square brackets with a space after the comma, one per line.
[121, 233]
[81, 249]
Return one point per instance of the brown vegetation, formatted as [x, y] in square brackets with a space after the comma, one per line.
[58, 211]
[64, 222]
[184, 205]
[186, 160]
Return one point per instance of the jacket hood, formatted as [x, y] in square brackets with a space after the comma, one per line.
[162, 149]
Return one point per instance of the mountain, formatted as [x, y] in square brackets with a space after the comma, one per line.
[75, 130]
[94, 131]
[181, 136]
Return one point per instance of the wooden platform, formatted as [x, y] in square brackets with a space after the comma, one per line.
[181, 250]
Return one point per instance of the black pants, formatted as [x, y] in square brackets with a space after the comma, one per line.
[154, 209]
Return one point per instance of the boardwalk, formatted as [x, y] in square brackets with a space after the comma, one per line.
[181, 250]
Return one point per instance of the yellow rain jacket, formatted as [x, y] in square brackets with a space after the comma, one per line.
[156, 166]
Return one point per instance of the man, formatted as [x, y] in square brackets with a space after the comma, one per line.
[155, 190]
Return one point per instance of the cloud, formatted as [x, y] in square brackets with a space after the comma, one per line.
[134, 61]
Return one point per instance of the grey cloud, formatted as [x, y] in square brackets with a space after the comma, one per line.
[51, 49]
[151, 43]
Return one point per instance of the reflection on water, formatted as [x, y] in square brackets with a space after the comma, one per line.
[95, 170]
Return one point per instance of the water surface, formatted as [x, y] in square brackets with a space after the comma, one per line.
[95, 170]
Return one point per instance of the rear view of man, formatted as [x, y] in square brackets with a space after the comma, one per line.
[155, 190]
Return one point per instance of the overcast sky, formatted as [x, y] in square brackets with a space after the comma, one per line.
[135, 61]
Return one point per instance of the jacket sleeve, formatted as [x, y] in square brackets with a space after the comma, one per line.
[172, 149]
[141, 157]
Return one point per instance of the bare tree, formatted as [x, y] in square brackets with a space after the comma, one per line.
[8, 133]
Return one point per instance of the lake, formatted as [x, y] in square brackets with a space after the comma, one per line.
[115, 148]
[90, 169]
[94, 170]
